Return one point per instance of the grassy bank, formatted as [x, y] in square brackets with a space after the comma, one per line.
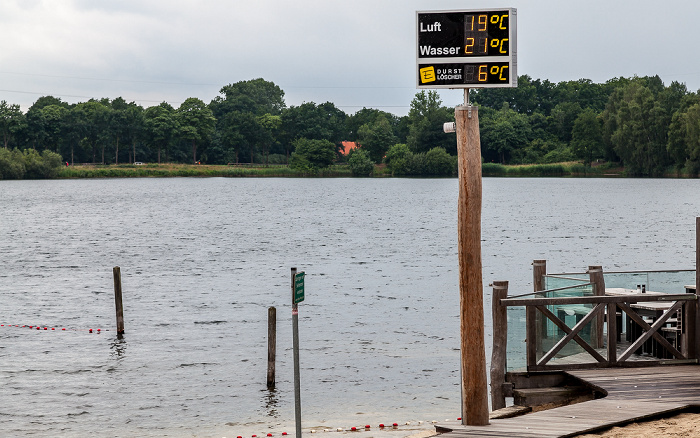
[247, 170]
[175, 170]
[556, 170]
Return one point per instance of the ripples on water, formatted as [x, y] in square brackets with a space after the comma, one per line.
[202, 259]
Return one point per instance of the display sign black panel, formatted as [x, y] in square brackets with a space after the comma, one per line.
[467, 48]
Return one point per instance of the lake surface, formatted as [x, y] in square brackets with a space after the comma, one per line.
[203, 259]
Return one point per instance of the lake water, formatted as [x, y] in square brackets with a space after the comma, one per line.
[203, 259]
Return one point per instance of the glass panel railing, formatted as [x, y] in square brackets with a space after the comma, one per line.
[570, 314]
[516, 353]
[549, 333]
[557, 281]
[671, 282]
[577, 285]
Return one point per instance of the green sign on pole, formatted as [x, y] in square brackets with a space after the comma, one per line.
[298, 288]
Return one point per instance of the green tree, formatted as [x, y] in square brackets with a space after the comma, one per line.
[238, 134]
[53, 128]
[313, 122]
[256, 96]
[39, 166]
[160, 126]
[196, 122]
[360, 163]
[73, 130]
[563, 117]
[11, 164]
[268, 127]
[118, 123]
[425, 120]
[684, 138]
[439, 163]
[368, 116]
[96, 122]
[398, 158]
[637, 126]
[237, 110]
[36, 129]
[312, 155]
[503, 134]
[376, 138]
[45, 101]
[587, 136]
[11, 121]
[133, 126]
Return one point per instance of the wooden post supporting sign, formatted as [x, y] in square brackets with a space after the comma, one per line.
[475, 411]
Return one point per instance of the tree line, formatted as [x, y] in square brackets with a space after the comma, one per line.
[247, 123]
[638, 122]
[647, 127]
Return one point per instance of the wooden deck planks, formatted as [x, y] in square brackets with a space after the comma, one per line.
[634, 394]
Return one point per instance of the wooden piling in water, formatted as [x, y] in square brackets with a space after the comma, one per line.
[499, 316]
[271, 346]
[116, 272]
[475, 410]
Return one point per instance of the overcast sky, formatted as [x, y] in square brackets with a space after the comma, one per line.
[356, 54]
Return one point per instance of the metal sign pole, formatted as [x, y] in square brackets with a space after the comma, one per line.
[295, 342]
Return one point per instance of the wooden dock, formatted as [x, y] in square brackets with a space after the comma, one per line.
[633, 394]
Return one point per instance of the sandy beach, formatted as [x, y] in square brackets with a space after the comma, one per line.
[682, 425]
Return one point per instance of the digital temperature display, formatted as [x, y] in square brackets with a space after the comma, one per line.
[466, 49]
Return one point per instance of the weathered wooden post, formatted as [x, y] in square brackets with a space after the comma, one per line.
[116, 272]
[539, 271]
[499, 315]
[693, 308]
[271, 346]
[595, 274]
[475, 411]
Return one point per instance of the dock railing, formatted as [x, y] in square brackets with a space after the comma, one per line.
[575, 325]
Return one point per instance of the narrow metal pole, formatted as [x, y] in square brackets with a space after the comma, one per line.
[116, 272]
[271, 346]
[295, 342]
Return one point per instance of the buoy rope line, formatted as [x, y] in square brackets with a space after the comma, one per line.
[49, 328]
[366, 428]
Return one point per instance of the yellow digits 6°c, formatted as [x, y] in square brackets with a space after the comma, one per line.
[496, 70]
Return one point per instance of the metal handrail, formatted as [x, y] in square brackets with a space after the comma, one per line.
[565, 278]
[628, 272]
[550, 290]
